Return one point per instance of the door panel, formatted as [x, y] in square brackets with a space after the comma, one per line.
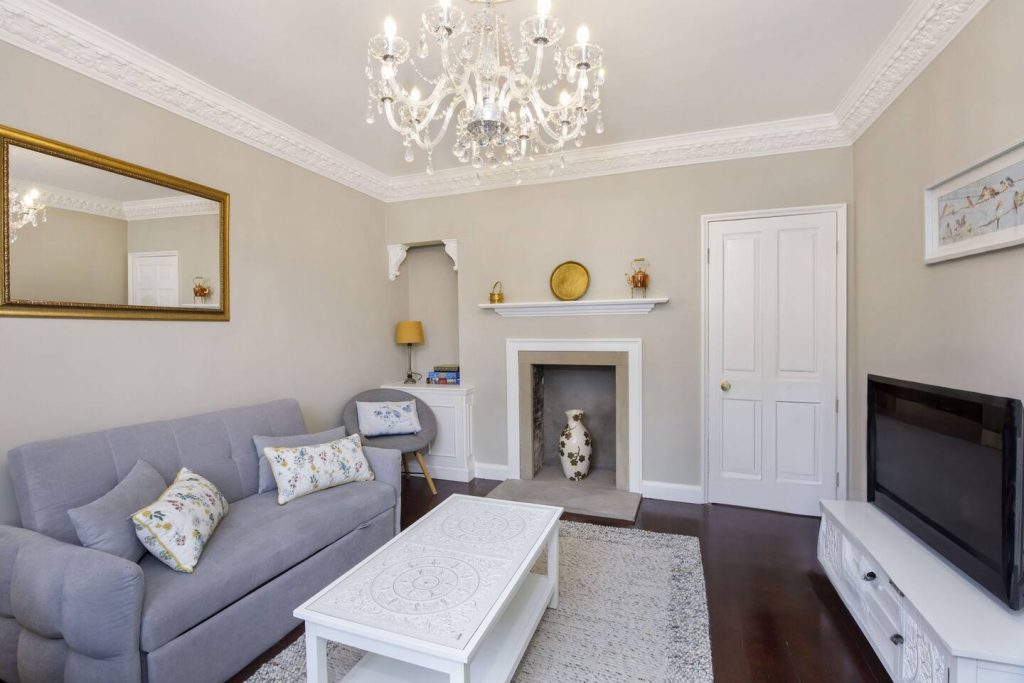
[741, 305]
[771, 387]
[741, 443]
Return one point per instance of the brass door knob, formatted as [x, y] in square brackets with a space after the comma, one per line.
[726, 385]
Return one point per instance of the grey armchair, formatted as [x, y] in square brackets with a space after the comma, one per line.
[415, 444]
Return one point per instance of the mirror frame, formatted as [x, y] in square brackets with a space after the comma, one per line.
[63, 309]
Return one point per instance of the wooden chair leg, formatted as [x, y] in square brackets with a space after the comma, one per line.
[426, 472]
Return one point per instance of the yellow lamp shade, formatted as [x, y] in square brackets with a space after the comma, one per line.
[409, 332]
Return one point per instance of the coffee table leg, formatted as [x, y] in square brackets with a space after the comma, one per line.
[459, 673]
[553, 566]
[316, 657]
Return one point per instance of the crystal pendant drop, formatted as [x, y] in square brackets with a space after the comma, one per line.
[599, 128]
[430, 164]
[424, 50]
[479, 180]
[409, 155]
[370, 114]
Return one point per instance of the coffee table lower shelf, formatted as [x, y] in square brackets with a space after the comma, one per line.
[499, 653]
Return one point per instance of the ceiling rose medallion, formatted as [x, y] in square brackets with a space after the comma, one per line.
[489, 86]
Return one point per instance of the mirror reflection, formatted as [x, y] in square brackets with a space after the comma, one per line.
[79, 234]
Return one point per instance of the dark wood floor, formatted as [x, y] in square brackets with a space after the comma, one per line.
[774, 615]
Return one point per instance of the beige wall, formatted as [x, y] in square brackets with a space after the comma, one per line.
[961, 323]
[519, 235]
[73, 256]
[310, 302]
[197, 241]
[434, 299]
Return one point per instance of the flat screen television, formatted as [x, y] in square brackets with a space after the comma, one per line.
[949, 466]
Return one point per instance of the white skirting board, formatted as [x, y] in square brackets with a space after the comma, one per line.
[494, 472]
[678, 493]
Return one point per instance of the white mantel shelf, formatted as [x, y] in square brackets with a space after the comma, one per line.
[563, 308]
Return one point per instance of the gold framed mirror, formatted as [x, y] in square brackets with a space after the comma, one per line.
[88, 236]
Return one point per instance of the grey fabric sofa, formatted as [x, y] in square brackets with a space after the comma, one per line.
[69, 613]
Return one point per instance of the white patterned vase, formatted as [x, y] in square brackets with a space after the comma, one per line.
[575, 447]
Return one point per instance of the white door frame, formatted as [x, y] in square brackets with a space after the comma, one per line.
[132, 255]
[842, 446]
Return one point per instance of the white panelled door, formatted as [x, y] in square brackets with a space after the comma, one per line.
[772, 361]
[153, 278]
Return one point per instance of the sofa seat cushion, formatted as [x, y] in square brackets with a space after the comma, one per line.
[257, 541]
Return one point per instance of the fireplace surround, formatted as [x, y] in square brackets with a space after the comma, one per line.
[524, 356]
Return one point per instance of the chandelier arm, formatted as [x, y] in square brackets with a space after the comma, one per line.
[441, 133]
[401, 95]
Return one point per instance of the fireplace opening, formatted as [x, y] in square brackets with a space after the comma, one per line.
[559, 388]
[596, 383]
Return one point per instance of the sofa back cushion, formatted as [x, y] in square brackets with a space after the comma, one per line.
[51, 477]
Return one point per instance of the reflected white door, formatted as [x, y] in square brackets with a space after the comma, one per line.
[772, 361]
[153, 279]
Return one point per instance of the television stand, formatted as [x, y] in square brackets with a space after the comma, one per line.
[926, 621]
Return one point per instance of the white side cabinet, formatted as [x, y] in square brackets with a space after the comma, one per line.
[451, 454]
[927, 622]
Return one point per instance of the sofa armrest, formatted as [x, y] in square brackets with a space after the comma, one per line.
[387, 467]
[67, 613]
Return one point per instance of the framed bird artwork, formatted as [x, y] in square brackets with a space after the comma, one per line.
[978, 210]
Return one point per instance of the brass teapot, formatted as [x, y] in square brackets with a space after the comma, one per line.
[639, 280]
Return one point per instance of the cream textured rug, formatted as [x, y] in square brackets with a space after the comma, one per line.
[632, 607]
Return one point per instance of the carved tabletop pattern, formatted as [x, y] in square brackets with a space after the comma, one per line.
[439, 579]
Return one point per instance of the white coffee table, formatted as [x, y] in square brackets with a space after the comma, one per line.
[451, 598]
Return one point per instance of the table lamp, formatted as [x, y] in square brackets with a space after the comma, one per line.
[409, 332]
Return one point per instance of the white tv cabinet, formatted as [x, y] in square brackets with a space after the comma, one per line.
[926, 620]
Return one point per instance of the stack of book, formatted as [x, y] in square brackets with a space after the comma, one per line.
[444, 374]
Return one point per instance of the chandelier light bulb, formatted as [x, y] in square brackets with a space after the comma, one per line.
[390, 27]
[583, 34]
[543, 7]
[564, 98]
[30, 197]
[414, 95]
[387, 71]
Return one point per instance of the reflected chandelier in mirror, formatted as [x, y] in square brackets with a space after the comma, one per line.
[85, 235]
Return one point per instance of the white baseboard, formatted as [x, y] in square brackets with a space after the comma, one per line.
[441, 472]
[485, 470]
[679, 493]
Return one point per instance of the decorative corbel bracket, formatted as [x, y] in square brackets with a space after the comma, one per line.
[396, 256]
[451, 247]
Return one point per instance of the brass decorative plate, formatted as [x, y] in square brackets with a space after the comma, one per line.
[570, 281]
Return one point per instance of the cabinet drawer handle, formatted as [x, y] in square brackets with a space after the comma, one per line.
[870, 576]
[897, 639]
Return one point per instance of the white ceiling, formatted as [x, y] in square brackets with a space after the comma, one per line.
[34, 168]
[674, 66]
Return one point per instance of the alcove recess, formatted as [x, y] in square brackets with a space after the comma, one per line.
[429, 271]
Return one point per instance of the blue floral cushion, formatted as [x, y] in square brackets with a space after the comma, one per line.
[177, 526]
[307, 469]
[388, 418]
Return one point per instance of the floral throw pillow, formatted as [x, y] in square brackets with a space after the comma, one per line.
[388, 418]
[307, 469]
[176, 527]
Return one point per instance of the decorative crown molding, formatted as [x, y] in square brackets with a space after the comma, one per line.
[923, 32]
[60, 36]
[763, 139]
[138, 210]
[69, 200]
[169, 207]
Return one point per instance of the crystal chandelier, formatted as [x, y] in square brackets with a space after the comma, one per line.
[488, 86]
[24, 210]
